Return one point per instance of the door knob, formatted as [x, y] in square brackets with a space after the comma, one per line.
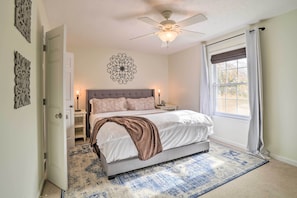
[71, 106]
[58, 115]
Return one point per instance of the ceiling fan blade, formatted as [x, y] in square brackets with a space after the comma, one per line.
[149, 21]
[192, 20]
[193, 32]
[143, 36]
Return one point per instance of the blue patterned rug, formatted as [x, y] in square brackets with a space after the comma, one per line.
[187, 177]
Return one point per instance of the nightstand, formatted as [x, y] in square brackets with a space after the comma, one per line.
[80, 124]
[167, 107]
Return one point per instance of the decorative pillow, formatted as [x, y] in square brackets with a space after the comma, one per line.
[108, 105]
[141, 103]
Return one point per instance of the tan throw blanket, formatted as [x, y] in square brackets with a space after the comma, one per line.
[143, 132]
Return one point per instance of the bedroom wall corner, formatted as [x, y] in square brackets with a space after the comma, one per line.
[279, 47]
[21, 173]
[184, 78]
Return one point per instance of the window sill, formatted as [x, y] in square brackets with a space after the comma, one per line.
[231, 116]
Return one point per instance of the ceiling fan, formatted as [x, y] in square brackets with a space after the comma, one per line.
[169, 29]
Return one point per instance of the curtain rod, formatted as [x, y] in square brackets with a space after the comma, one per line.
[260, 28]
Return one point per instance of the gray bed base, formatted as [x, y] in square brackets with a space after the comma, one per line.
[122, 166]
[114, 168]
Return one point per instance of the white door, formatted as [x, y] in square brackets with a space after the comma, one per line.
[55, 107]
[69, 102]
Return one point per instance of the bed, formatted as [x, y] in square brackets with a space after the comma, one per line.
[119, 155]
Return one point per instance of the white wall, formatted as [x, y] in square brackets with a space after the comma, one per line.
[184, 78]
[21, 168]
[91, 71]
[279, 50]
[231, 131]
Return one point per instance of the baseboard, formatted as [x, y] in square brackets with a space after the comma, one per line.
[274, 156]
[225, 141]
[284, 159]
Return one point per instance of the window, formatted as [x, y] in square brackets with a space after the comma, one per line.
[230, 84]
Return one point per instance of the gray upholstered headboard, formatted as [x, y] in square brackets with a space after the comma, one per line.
[114, 93]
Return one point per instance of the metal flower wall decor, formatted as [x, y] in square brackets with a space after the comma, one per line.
[121, 68]
[22, 81]
[22, 18]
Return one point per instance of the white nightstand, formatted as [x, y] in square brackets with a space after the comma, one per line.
[80, 124]
[167, 107]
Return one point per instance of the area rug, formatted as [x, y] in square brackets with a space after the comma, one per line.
[186, 177]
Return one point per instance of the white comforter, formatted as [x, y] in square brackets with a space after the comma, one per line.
[176, 128]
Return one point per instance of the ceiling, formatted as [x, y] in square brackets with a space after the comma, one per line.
[112, 23]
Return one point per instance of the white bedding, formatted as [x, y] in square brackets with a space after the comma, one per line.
[176, 128]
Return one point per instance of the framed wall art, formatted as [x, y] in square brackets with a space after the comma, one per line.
[121, 68]
[22, 81]
[22, 19]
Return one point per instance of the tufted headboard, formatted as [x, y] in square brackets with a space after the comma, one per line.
[114, 93]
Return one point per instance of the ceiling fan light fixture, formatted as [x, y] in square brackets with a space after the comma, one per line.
[167, 36]
[169, 29]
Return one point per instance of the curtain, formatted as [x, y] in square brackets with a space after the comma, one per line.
[255, 133]
[205, 103]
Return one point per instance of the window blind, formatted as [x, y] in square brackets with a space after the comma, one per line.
[228, 56]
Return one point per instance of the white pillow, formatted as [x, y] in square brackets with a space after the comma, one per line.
[141, 103]
[108, 105]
